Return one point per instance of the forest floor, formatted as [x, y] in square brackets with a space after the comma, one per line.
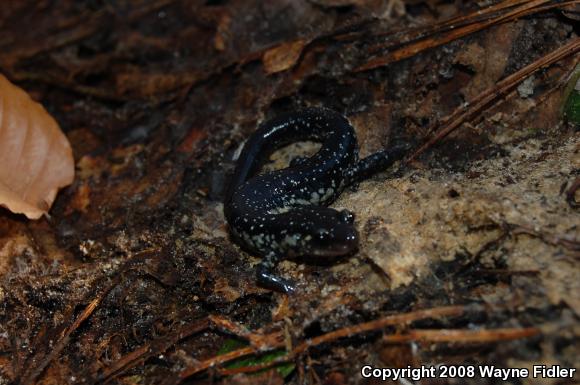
[469, 249]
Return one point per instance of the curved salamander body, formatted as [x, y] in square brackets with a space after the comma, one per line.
[282, 214]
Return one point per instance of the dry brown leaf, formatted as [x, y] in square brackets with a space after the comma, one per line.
[283, 56]
[35, 156]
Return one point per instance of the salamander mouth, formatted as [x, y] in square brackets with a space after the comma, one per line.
[334, 252]
[344, 242]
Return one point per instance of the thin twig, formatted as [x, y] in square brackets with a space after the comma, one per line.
[426, 335]
[398, 319]
[149, 350]
[456, 22]
[39, 361]
[568, 242]
[468, 110]
[435, 41]
[38, 364]
[258, 343]
[463, 336]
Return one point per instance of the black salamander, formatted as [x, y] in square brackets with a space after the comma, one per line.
[282, 214]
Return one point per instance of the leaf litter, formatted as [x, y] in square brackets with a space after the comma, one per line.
[122, 283]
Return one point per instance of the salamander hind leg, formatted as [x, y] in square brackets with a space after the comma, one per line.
[268, 279]
[377, 162]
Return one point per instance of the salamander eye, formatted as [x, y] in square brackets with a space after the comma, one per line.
[346, 216]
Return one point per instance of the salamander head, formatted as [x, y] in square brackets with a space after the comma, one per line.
[333, 241]
[324, 233]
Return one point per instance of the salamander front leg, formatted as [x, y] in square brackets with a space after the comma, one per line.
[268, 279]
[377, 162]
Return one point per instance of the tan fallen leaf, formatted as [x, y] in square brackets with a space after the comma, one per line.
[283, 56]
[35, 156]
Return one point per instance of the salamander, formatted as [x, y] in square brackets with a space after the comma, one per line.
[283, 214]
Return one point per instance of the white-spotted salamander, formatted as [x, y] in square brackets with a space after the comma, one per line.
[282, 214]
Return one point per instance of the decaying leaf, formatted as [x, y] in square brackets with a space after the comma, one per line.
[35, 156]
[283, 56]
